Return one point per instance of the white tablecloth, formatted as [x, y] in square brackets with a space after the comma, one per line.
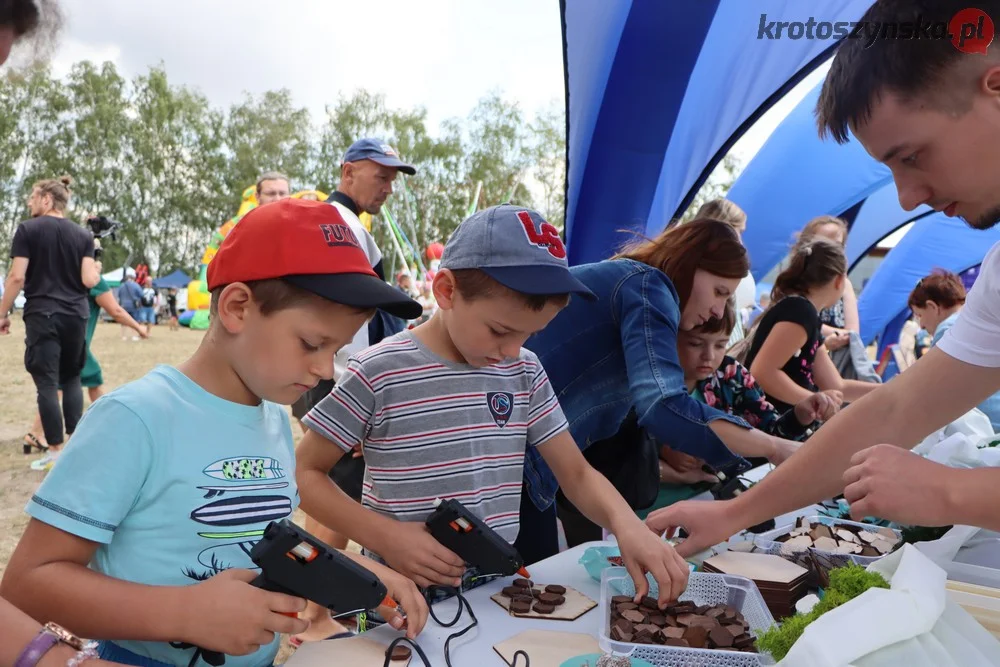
[496, 625]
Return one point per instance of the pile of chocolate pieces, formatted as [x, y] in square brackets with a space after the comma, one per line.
[838, 539]
[682, 625]
[525, 597]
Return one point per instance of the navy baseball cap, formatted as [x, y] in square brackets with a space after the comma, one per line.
[378, 151]
[516, 247]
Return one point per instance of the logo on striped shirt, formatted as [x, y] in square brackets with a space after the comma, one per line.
[501, 403]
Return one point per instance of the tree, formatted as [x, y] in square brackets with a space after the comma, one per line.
[548, 173]
[717, 185]
[266, 134]
[497, 153]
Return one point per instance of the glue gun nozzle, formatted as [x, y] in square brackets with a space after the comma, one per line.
[389, 602]
[524, 573]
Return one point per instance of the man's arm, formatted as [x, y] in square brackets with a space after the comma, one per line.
[88, 272]
[892, 483]
[933, 392]
[14, 283]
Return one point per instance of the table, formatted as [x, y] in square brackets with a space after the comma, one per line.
[496, 625]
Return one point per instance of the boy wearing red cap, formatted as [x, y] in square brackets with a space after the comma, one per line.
[170, 480]
[448, 410]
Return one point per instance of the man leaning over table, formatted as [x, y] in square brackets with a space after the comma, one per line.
[931, 113]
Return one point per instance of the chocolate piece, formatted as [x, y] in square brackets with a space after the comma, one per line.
[686, 619]
[622, 625]
[671, 622]
[399, 653]
[705, 622]
[527, 599]
[659, 620]
[683, 608]
[721, 638]
[551, 598]
[870, 552]
[743, 641]
[696, 637]
[702, 610]
[520, 606]
[558, 590]
[542, 608]
[642, 638]
[625, 606]
[634, 615]
[734, 630]
[619, 599]
[715, 612]
[620, 635]
[650, 603]
[511, 591]
[523, 583]
[673, 633]
[647, 627]
[677, 642]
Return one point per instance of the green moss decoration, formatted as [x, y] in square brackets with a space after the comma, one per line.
[846, 583]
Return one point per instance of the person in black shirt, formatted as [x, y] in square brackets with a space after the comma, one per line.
[53, 259]
[786, 352]
[172, 308]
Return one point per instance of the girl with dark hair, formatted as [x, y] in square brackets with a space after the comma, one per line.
[615, 359]
[786, 352]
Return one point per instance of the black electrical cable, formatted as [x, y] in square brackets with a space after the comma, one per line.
[462, 604]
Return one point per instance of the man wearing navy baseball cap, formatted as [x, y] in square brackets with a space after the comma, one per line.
[367, 172]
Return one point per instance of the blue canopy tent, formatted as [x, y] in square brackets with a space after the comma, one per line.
[178, 280]
[657, 94]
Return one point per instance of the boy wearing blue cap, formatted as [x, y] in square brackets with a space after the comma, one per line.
[447, 410]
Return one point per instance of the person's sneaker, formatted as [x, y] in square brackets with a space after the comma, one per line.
[45, 463]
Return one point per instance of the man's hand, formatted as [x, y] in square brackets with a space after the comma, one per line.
[405, 592]
[893, 483]
[707, 523]
[679, 461]
[783, 449]
[227, 614]
[412, 550]
[4, 326]
[821, 406]
[645, 552]
[141, 331]
[670, 475]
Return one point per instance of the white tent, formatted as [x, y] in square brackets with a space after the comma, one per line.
[115, 277]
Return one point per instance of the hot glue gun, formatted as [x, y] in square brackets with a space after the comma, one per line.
[454, 526]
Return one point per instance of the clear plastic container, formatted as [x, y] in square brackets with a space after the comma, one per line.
[765, 541]
[703, 589]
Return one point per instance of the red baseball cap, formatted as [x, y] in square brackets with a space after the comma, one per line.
[308, 244]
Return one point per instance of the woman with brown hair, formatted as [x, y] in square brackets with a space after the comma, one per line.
[617, 356]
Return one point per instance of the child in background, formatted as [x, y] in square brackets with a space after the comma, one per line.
[786, 354]
[447, 410]
[170, 480]
[718, 380]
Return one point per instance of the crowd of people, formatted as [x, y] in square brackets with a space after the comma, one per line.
[533, 391]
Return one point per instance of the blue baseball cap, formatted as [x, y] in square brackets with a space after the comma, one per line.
[516, 247]
[378, 151]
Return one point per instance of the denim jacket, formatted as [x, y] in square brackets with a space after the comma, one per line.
[604, 357]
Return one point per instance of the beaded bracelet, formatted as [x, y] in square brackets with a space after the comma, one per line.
[88, 652]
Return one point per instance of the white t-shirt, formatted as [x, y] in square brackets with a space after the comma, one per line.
[975, 337]
[746, 296]
[374, 255]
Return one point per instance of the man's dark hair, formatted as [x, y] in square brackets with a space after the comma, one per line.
[35, 21]
[863, 71]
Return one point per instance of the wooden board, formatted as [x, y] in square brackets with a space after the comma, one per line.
[357, 652]
[981, 602]
[546, 648]
[756, 566]
[577, 604]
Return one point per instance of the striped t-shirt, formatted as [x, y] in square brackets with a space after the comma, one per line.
[433, 428]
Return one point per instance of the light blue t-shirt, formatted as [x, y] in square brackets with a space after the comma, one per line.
[176, 484]
[991, 406]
